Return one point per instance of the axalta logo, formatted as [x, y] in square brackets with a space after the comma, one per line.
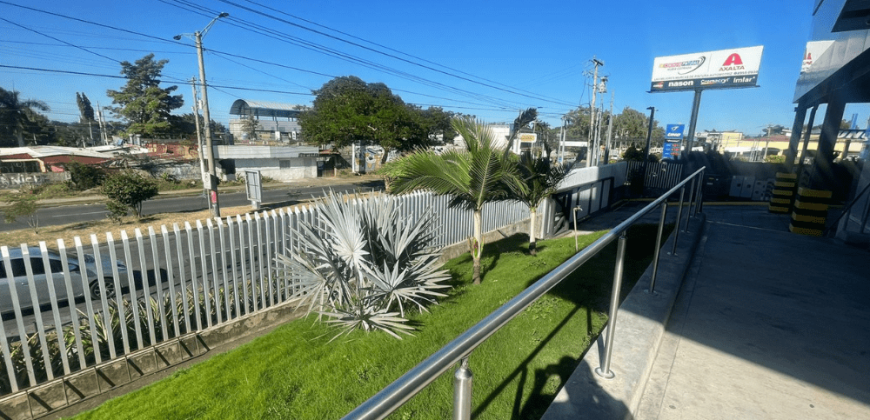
[744, 79]
[682, 83]
[658, 85]
[732, 63]
[707, 82]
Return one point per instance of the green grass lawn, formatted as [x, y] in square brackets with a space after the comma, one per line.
[293, 373]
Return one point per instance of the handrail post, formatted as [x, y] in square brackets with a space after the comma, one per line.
[679, 216]
[690, 202]
[652, 280]
[698, 200]
[462, 380]
[604, 370]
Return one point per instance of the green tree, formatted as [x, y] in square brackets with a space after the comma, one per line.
[347, 109]
[17, 117]
[541, 178]
[22, 205]
[249, 126]
[480, 174]
[86, 111]
[84, 177]
[130, 190]
[438, 125]
[142, 102]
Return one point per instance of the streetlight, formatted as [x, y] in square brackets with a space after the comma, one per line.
[209, 152]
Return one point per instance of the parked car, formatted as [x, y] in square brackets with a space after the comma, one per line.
[18, 273]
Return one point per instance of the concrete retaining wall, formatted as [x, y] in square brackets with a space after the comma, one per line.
[134, 369]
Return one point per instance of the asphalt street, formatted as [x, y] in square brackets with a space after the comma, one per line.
[281, 196]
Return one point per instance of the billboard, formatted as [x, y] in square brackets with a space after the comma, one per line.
[528, 137]
[707, 70]
[674, 132]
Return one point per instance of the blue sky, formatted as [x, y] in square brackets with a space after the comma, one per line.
[529, 54]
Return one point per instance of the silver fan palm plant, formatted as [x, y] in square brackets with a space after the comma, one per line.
[364, 264]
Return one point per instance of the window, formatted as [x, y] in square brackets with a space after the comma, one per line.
[37, 266]
[285, 164]
[56, 266]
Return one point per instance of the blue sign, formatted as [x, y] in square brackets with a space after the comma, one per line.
[671, 150]
[674, 132]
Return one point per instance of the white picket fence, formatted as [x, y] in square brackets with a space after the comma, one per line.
[219, 270]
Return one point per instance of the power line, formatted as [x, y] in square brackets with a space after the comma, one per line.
[59, 40]
[509, 90]
[270, 33]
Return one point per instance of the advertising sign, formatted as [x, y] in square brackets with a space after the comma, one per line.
[707, 70]
[528, 137]
[674, 132]
[671, 150]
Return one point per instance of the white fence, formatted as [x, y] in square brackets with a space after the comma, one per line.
[179, 280]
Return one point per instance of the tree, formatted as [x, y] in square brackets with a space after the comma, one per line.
[22, 205]
[438, 126]
[249, 126]
[142, 102]
[130, 190]
[541, 179]
[347, 109]
[16, 116]
[480, 174]
[86, 111]
[84, 177]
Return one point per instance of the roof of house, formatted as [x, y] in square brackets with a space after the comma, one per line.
[39, 152]
[264, 108]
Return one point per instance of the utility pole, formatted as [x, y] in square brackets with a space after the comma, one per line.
[103, 135]
[609, 132]
[213, 181]
[766, 144]
[209, 150]
[597, 63]
[199, 144]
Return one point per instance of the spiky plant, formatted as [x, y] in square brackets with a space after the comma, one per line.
[364, 264]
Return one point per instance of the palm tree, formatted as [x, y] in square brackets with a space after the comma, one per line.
[15, 114]
[541, 179]
[478, 175]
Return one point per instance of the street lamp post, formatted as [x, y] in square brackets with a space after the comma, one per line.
[209, 150]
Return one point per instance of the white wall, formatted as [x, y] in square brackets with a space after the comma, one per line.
[299, 168]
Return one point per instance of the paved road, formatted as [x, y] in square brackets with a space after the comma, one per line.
[274, 197]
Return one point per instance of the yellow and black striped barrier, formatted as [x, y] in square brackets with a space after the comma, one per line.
[782, 196]
[810, 212]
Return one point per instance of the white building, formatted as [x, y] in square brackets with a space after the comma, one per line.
[277, 162]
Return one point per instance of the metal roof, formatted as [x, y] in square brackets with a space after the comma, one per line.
[264, 109]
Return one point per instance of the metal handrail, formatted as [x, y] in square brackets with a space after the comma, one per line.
[457, 351]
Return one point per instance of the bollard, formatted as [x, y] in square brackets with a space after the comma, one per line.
[462, 379]
[604, 369]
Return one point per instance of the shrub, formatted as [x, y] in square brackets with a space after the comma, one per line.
[129, 189]
[363, 264]
[22, 205]
[84, 177]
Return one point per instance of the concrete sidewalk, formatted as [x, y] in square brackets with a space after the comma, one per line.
[763, 324]
[768, 325]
